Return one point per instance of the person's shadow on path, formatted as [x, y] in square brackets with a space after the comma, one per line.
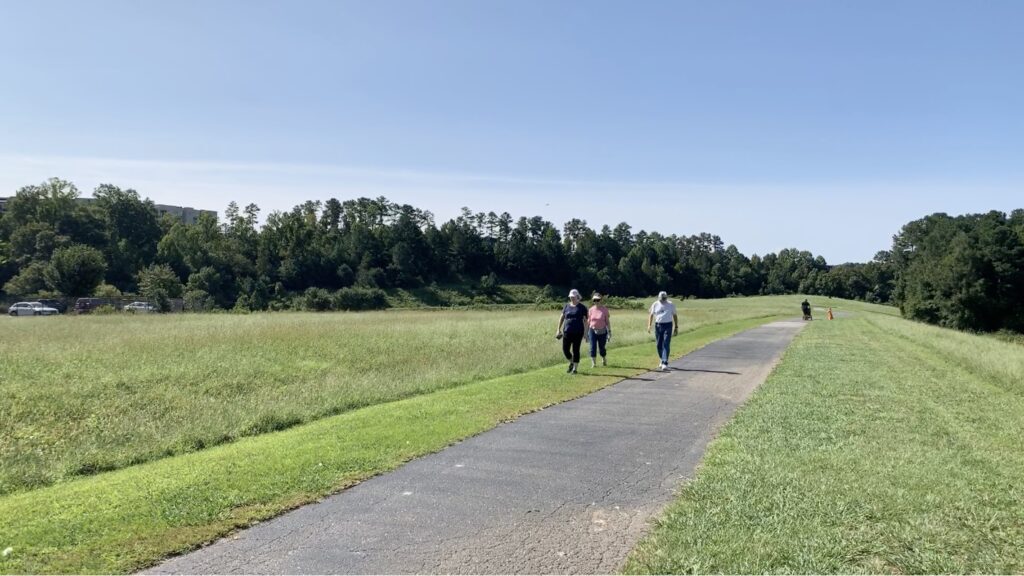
[674, 369]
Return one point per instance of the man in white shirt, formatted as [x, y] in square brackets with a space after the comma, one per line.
[666, 324]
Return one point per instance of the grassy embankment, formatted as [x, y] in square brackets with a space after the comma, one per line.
[878, 445]
[90, 394]
[152, 382]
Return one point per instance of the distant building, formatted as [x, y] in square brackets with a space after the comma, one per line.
[187, 214]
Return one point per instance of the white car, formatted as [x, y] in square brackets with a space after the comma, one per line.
[140, 307]
[31, 309]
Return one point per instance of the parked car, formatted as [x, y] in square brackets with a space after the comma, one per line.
[86, 305]
[140, 307]
[31, 309]
[60, 305]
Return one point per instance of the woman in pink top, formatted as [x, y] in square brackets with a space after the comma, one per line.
[599, 331]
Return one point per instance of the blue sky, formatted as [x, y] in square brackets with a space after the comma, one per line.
[823, 125]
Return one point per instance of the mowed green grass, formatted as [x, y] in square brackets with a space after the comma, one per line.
[877, 446]
[88, 394]
[128, 519]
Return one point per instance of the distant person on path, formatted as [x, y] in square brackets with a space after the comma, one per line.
[666, 324]
[600, 330]
[571, 328]
[805, 307]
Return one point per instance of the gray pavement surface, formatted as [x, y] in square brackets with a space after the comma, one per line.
[569, 489]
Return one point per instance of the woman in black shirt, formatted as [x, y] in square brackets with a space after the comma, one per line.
[571, 328]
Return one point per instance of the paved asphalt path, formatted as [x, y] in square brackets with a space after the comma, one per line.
[569, 489]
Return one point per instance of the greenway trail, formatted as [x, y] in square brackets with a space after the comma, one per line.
[569, 489]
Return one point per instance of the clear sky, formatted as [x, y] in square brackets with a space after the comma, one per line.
[818, 124]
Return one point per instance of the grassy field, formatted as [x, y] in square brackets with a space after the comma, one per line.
[90, 394]
[125, 520]
[877, 446]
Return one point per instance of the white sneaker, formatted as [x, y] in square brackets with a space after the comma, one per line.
[592, 363]
[604, 361]
[663, 367]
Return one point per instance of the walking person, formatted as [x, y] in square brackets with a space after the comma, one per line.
[666, 324]
[571, 328]
[600, 330]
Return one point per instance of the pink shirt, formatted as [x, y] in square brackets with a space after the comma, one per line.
[598, 317]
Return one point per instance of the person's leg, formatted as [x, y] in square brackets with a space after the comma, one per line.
[566, 344]
[577, 339]
[593, 347]
[659, 334]
[602, 344]
[657, 340]
[664, 338]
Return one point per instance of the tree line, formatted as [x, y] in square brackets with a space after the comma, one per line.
[964, 272]
[345, 254]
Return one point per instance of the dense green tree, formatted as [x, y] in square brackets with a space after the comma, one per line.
[7, 266]
[132, 231]
[75, 270]
[53, 206]
[215, 284]
[159, 284]
[965, 272]
[29, 281]
[35, 242]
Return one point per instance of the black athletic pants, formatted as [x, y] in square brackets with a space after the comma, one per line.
[572, 339]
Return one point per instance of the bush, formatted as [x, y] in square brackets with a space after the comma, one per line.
[360, 299]
[316, 299]
[620, 303]
[370, 278]
[159, 283]
[159, 299]
[551, 293]
[345, 275]
[30, 280]
[280, 305]
[489, 285]
[198, 301]
[104, 310]
[242, 305]
[106, 291]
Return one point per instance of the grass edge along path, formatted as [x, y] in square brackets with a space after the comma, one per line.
[874, 447]
[132, 518]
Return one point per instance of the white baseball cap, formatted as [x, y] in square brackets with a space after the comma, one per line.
[662, 295]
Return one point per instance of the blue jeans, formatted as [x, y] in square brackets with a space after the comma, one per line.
[598, 342]
[663, 335]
